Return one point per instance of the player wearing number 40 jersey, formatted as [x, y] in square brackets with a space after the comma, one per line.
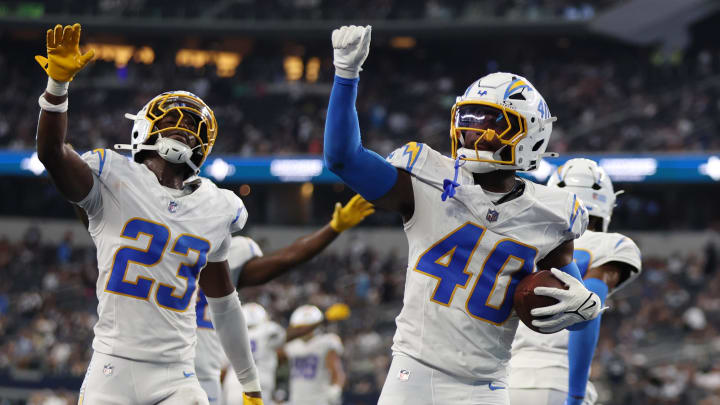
[156, 226]
[474, 230]
[553, 369]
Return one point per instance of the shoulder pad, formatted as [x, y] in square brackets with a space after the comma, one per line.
[423, 162]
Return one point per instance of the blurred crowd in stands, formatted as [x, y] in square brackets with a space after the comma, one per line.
[607, 97]
[318, 9]
[658, 346]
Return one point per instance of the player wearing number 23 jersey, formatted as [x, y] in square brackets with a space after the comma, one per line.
[151, 246]
[156, 226]
[474, 230]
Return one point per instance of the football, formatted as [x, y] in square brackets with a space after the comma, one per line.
[526, 300]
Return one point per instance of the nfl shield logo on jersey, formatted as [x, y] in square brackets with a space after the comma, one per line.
[172, 207]
[492, 215]
[108, 370]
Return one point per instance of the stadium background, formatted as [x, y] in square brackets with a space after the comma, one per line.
[634, 83]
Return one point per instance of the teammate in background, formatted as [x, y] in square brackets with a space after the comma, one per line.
[316, 371]
[474, 230]
[266, 337]
[156, 226]
[250, 268]
[554, 369]
[266, 340]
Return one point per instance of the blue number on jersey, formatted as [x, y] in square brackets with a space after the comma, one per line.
[478, 304]
[447, 261]
[159, 235]
[188, 271]
[305, 367]
[582, 258]
[201, 306]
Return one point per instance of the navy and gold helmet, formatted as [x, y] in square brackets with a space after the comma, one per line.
[146, 135]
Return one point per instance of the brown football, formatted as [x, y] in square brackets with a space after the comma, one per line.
[526, 300]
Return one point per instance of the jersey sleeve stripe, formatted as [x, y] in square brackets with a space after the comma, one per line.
[101, 158]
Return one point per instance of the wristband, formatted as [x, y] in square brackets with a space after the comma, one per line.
[50, 107]
[57, 88]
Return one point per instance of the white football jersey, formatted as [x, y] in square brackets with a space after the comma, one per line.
[151, 247]
[209, 355]
[466, 257]
[309, 376]
[532, 351]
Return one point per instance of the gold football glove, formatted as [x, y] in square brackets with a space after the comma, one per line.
[351, 214]
[337, 312]
[251, 400]
[64, 59]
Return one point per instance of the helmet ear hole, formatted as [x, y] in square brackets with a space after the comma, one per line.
[135, 134]
[537, 145]
[561, 184]
[596, 186]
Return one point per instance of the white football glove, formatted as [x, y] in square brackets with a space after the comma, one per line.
[334, 394]
[576, 304]
[351, 46]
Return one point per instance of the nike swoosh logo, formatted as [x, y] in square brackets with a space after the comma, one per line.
[212, 399]
[592, 304]
[188, 375]
[495, 387]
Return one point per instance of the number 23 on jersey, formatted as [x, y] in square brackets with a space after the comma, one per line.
[491, 297]
[166, 296]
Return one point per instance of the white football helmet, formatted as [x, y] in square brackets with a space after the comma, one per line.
[306, 315]
[144, 129]
[255, 314]
[507, 107]
[591, 184]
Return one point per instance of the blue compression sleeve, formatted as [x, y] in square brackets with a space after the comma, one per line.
[581, 346]
[573, 270]
[363, 170]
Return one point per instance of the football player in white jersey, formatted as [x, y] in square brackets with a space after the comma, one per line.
[249, 267]
[553, 369]
[474, 230]
[316, 372]
[266, 340]
[266, 337]
[156, 225]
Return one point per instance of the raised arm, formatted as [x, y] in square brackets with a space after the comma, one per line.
[261, 269]
[363, 170]
[72, 176]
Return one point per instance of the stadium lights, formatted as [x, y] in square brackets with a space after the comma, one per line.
[296, 169]
[293, 66]
[121, 54]
[220, 169]
[711, 168]
[403, 42]
[226, 62]
[629, 169]
[33, 164]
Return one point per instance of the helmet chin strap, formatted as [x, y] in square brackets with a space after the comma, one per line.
[169, 149]
[480, 167]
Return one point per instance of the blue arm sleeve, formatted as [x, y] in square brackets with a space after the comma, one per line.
[572, 269]
[364, 171]
[581, 346]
